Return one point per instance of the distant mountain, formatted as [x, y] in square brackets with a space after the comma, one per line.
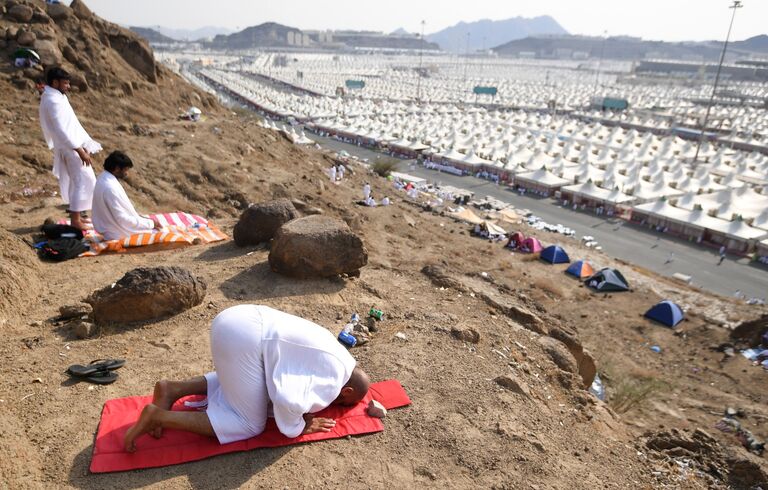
[627, 48]
[267, 35]
[399, 32]
[757, 44]
[152, 36]
[488, 33]
[208, 32]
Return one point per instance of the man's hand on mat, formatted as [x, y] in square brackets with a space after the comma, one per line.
[84, 156]
[317, 424]
[157, 224]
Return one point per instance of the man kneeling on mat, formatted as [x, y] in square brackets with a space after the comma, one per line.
[261, 356]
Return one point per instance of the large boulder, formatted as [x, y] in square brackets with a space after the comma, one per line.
[48, 51]
[21, 13]
[317, 246]
[26, 38]
[147, 293]
[260, 222]
[58, 11]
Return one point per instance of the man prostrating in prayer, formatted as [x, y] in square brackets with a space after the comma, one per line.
[262, 356]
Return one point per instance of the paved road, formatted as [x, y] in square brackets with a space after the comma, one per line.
[617, 237]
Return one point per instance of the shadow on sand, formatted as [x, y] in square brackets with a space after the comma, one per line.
[227, 471]
[259, 282]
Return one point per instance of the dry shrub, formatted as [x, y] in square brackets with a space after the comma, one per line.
[630, 390]
[385, 166]
[548, 285]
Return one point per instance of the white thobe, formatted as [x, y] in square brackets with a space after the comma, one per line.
[63, 133]
[332, 174]
[262, 355]
[113, 213]
[366, 191]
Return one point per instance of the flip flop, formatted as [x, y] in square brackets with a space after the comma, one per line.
[96, 366]
[100, 378]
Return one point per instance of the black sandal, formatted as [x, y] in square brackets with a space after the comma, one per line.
[96, 366]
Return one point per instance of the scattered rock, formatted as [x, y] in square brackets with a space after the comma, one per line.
[48, 51]
[317, 246]
[68, 312]
[751, 332]
[469, 335]
[371, 324]
[513, 385]
[440, 278]
[260, 222]
[559, 353]
[401, 336]
[147, 293]
[11, 33]
[376, 409]
[58, 11]
[26, 38]
[84, 330]
[21, 13]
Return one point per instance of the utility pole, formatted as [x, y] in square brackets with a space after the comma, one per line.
[737, 4]
[421, 59]
[466, 59]
[600, 62]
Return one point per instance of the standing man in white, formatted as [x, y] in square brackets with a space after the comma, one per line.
[72, 146]
[113, 213]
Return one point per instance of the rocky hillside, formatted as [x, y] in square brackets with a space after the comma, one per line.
[492, 348]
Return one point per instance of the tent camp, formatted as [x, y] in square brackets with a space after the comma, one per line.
[607, 281]
[487, 229]
[581, 269]
[666, 313]
[531, 245]
[554, 254]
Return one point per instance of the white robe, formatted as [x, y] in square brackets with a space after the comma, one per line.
[113, 213]
[366, 191]
[262, 355]
[63, 133]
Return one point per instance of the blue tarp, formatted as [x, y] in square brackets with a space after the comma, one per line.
[554, 254]
[666, 313]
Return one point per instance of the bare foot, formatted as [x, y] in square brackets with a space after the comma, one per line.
[148, 422]
[164, 397]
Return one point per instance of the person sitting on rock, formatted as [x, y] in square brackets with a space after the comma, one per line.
[113, 213]
[261, 356]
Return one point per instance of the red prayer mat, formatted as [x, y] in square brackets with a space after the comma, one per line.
[176, 446]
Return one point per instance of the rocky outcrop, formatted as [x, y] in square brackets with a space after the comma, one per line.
[135, 51]
[260, 222]
[317, 246]
[147, 293]
[751, 333]
[559, 353]
[21, 13]
[58, 11]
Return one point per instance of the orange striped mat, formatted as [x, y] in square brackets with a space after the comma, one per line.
[178, 228]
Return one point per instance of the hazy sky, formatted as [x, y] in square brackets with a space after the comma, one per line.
[672, 20]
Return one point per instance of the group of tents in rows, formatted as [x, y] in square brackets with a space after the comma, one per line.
[605, 280]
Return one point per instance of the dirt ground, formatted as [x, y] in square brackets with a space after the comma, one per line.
[463, 429]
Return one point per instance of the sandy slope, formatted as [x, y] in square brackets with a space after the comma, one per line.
[462, 431]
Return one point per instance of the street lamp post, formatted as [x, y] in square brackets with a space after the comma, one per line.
[421, 58]
[737, 4]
